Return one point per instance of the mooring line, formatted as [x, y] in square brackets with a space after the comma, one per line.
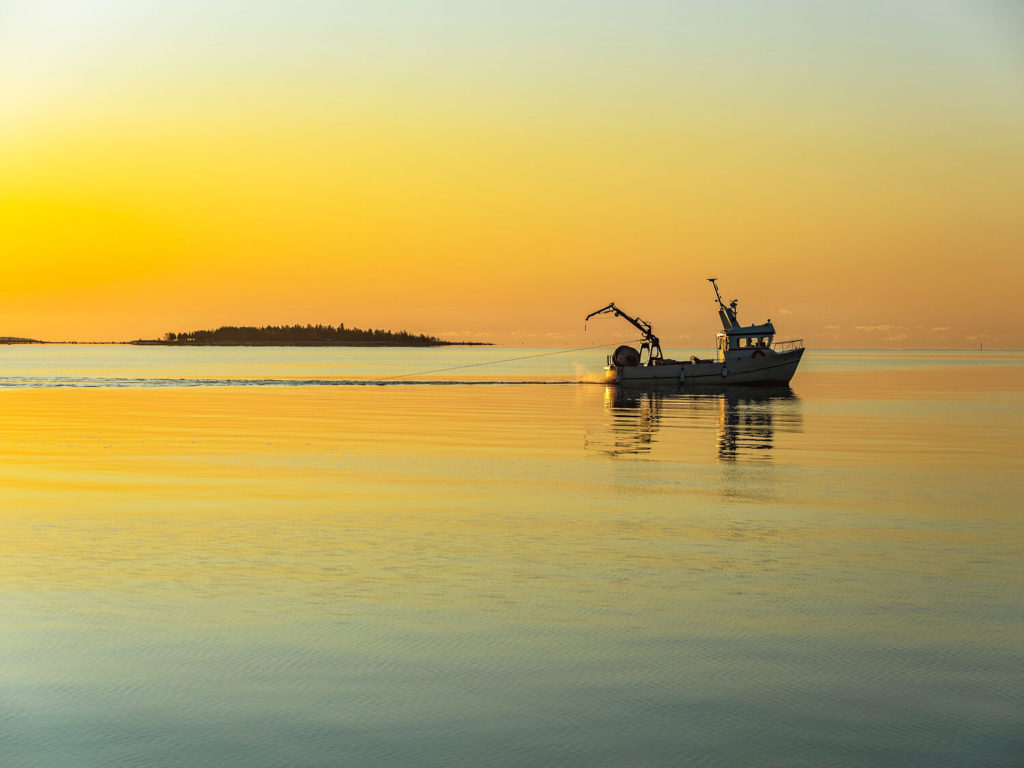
[495, 362]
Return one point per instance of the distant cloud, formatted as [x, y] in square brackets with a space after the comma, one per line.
[898, 337]
[939, 328]
[463, 334]
[542, 338]
[784, 311]
[883, 327]
[831, 327]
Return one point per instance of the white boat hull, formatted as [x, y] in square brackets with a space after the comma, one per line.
[771, 369]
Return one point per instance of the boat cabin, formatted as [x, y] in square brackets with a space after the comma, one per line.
[741, 341]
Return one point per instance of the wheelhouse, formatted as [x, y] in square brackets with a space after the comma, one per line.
[743, 340]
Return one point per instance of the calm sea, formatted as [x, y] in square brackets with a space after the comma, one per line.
[253, 557]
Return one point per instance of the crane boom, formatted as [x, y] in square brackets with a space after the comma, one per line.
[650, 341]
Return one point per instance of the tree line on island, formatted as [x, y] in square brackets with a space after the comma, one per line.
[304, 335]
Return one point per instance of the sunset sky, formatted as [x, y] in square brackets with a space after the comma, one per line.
[497, 170]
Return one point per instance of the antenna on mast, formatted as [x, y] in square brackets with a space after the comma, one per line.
[717, 294]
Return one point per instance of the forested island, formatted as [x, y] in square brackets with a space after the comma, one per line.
[302, 336]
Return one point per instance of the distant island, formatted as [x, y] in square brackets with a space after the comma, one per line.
[302, 336]
[18, 340]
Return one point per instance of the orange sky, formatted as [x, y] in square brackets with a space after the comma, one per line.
[481, 172]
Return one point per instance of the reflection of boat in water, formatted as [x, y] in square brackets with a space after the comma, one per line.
[746, 354]
[747, 418]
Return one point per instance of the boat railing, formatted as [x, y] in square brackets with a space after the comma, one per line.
[788, 346]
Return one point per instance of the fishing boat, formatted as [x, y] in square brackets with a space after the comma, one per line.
[745, 354]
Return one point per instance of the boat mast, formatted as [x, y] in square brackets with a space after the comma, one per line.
[726, 313]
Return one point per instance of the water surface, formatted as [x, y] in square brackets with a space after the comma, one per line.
[234, 557]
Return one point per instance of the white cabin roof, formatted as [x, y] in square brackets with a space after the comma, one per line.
[765, 329]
